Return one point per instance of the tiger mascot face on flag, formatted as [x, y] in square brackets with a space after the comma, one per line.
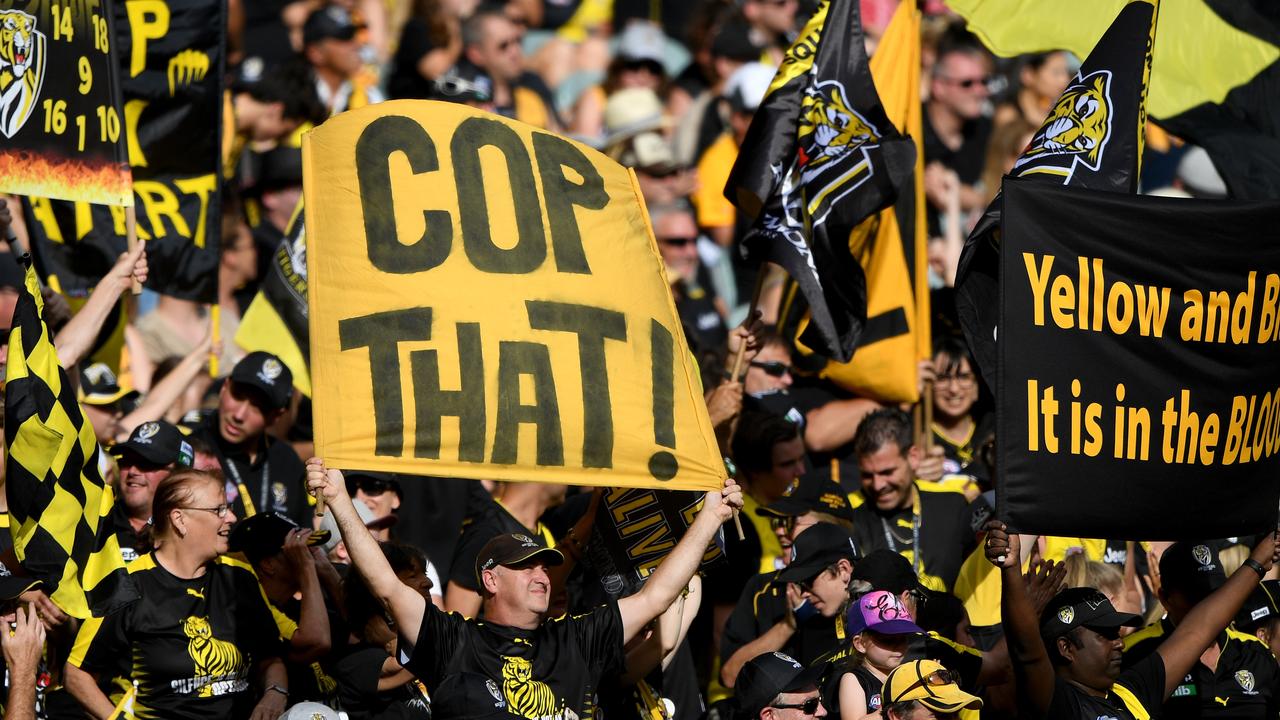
[21, 69]
[1078, 126]
[829, 127]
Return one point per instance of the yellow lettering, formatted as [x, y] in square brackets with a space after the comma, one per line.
[42, 211]
[1192, 315]
[148, 20]
[1062, 299]
[1039, 281]
[1120, 308]
[1267, 318]
[1219, 302]
[132, 112]
[159, 202]
[1242, 312]
[202, 187]
[1235, 430]
[1153, 309]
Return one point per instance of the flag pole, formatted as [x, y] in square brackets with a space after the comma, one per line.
[131, 232]
[927, 401]
[735, 375]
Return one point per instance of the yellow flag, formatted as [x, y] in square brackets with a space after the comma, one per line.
[487, 301]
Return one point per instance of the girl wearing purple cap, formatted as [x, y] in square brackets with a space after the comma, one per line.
[879, 627]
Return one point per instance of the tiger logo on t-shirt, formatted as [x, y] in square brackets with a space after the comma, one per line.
[213, 657]
[526, 697]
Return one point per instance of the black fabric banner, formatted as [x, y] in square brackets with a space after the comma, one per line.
[60, 111]
[1091, 139]
[635, 529]
[1138, 391]
[171, 55]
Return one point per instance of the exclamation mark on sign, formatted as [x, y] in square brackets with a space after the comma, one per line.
[662, 464]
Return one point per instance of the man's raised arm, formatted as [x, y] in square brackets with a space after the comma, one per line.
[405, 604]
[674, 573]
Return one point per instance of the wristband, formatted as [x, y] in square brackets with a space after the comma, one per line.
[1255, 566]
[278, 689]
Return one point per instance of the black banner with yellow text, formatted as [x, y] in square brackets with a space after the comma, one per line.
[60, 112]
[1138, 395]
[635, 529]
[171, 55]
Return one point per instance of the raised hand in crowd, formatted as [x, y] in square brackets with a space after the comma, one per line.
[77, 337]
[931, 465]
[23, 646]
[1044, 579]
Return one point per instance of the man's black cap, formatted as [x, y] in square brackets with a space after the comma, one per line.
[280, 167]
[767, 676]
[1262, 606]
[332, 22]
[815, 549]
[156, 443]
[263, 535]
[11, 586]
[267, 374]
[468, 696]
[1082, 607]
[98, 386]
[887, 570]
[734, 42]
[811, 493]
[512, 549]
[1191, 568]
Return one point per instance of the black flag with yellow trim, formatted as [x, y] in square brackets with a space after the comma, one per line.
[57, 497]
[820, 157]
[277, 319]
[1091, 139]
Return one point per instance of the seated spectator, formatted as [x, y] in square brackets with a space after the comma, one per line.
[430, 44]
[492, 43]
[774, 686]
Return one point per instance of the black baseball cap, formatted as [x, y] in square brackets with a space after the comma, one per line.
[280, 167]
[1192, 568]
[810, 493]
[156, 443]
[11, 586]
[767, 676]
[98, 386]
[1082, 607]
[267, 374]
[332, 22]
[512, 549]
[1261, 606]
[815, 549]
[887, 570]
[263, 535]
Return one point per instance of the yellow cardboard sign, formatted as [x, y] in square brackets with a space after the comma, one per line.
[487, 301]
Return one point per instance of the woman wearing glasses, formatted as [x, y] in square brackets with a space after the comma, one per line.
[199, 641]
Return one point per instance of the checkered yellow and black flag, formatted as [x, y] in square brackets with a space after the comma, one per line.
[57, 498]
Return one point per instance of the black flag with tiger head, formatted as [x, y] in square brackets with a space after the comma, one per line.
[820, 157]
[1092, 139]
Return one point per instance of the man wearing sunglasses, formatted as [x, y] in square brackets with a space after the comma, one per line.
[774, 686]
[924, 690]
[956, 126]
[152, 452]
[492, 42]
[701, 311]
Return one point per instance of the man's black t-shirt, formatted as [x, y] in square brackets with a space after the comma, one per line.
[190, 644]
[945, 536]
[1245, 684]
[969, 159]
[1136, 695]
[133, 544]
[549, 673]
[275, 480]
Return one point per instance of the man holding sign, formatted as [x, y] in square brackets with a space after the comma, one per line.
[545, 669]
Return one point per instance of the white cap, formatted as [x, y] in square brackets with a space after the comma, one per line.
[747, 86]
[310, 711]
[642, 41]
[1199, 176]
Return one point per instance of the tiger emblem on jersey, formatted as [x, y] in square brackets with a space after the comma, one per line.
[1076, 131]
[212, 657]
[526, 697]
[22, 56]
